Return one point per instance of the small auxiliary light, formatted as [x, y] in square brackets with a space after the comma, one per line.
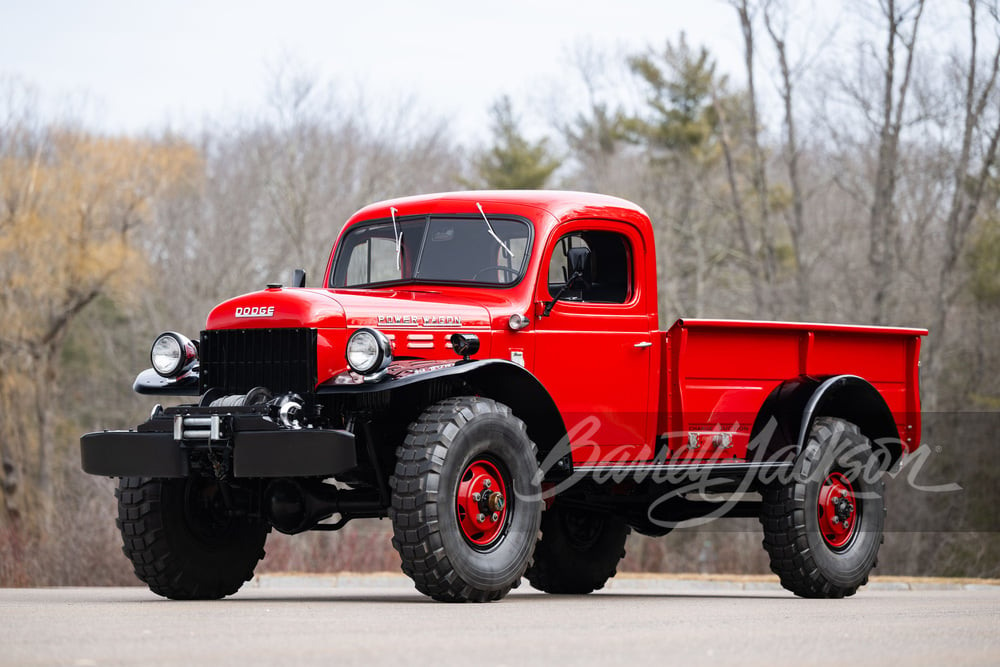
[465, 344]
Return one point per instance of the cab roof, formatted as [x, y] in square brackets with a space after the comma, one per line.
[562, 205]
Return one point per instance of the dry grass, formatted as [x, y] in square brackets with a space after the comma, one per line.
[362, 546]
[80, 546]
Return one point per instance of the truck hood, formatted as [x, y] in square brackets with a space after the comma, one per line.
[330, 309]
[278, 308]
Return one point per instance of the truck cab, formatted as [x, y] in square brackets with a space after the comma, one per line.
[477, 366]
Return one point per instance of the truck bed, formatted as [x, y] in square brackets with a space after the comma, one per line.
[718, 373]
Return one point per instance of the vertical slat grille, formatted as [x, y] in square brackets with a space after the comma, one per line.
[237, 360]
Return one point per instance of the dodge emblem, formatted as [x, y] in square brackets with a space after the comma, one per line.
[255, 311]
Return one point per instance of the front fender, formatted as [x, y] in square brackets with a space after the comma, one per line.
[151, 382]
[498, 379]
[399, 374]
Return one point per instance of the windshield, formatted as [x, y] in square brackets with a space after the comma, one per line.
[449, 249]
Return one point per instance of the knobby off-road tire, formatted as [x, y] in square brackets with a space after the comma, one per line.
[579, 551]
[457, 540]
[837, 476]
[180, 540]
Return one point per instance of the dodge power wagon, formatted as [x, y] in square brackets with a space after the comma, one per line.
[486, 369]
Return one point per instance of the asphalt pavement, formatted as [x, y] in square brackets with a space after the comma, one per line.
[381, 620]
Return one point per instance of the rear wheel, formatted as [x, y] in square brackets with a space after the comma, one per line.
[823, 528]
[579, 551]
[466, 500]
[182, 541]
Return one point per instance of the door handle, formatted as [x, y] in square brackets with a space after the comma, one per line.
[644, 344]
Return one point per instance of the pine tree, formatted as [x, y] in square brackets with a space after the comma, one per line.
[514, 162]
[680, 84]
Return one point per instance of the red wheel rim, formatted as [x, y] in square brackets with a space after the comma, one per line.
[481, 503]
[838, 510]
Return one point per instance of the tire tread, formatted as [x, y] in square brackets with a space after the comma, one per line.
[784, 524]
[416, 529]
[156, 561]
[560, 570]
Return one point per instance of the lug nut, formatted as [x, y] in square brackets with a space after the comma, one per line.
[488, 483]
[495, 516]
[477, 496]
[480, 518]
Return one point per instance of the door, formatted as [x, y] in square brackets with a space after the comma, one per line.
[593, 348]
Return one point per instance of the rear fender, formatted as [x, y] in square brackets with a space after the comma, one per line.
[783, 424]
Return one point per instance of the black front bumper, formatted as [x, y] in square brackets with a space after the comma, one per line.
[153, 451]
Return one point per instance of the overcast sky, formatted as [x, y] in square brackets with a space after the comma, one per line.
[142, 65]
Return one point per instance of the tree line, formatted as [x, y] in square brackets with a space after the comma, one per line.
[849, 180]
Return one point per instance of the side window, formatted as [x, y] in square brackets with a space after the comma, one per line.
[607, 276]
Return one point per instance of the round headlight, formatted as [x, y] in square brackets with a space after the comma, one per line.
[172, 354]
[368, 351]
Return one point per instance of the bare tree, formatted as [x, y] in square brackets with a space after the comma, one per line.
[973, 171]
[795, 218]
[73, 204]
[758, 167]
[761, 279]
[902, 22]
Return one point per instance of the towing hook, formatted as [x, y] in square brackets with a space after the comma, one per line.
[289, 410]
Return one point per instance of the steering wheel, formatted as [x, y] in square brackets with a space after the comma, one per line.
[506, 269]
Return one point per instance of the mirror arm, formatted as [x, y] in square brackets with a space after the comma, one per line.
[549, 305]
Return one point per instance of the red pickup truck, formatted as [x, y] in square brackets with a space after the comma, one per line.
[486, 370]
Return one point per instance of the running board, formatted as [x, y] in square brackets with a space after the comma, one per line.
[684, 471]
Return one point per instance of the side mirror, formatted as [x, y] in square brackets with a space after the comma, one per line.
[579, 268]
[299, 278]
[578, 260]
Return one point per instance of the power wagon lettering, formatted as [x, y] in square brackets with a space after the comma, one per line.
[419, 320]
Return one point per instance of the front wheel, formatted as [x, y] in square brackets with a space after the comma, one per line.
[823, 528]
[466, 500]
[182, 541]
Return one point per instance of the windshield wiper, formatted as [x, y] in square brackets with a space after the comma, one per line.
[397, 234]
[489, 227]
